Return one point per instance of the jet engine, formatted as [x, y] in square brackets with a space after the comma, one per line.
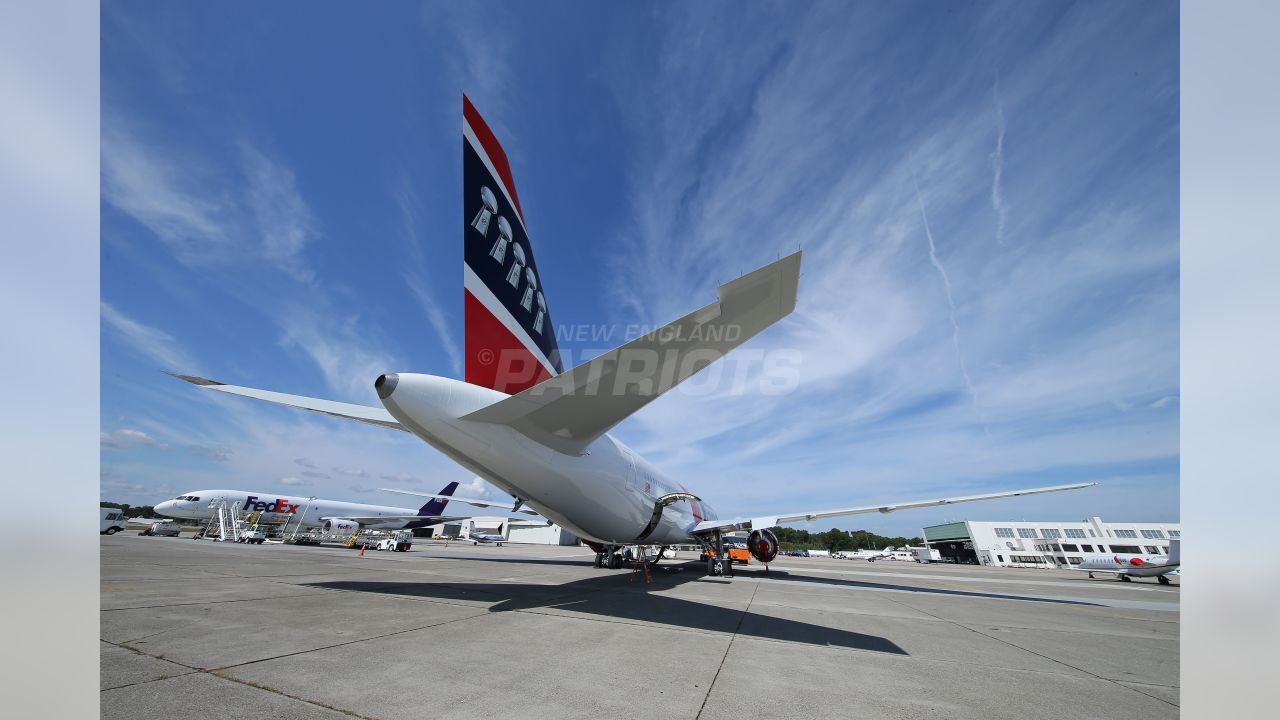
[339, 526]
[763, 545]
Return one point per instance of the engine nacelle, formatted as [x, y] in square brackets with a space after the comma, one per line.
[339, 526]
[763, 545]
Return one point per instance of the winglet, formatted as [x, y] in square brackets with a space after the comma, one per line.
[194, 379]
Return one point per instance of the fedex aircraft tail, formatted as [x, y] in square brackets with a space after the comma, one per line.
[510, 341]
[436, 505]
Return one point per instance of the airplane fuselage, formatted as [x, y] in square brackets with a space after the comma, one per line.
[277, 507]
[606, 495]
[1150, 566]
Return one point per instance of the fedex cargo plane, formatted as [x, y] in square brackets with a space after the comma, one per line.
[540, 433]
[333, 515]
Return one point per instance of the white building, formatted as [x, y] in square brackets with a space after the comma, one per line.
[1047, 544]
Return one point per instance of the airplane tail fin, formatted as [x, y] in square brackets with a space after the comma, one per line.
[1175, 550]
[510, 341]
[436, 506]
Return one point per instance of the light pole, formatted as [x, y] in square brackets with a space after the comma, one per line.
[304, 515]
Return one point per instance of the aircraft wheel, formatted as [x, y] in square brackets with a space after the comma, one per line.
[1090, 576]
[1163, 580]
[615, 561]
[599, 560]
[1125, 578]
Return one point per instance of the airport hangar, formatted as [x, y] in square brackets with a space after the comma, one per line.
[1020, 543]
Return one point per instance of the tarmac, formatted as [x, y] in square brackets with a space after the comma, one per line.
[197, 629]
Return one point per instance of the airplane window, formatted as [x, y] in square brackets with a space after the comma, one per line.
[195, 499]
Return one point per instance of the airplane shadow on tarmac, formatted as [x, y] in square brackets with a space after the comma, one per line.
[611, 595]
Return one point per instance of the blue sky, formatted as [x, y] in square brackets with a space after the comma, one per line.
[987, 197]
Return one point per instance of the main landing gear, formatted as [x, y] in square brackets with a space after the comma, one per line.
[718, 563]
[1163, 580]
[608, 556]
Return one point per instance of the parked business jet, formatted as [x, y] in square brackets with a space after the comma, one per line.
[1127, 567]
[331, 515]
[523, 423]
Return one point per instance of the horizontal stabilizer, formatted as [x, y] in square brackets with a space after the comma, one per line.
[359, 413]
[772, 520]
[569, 411]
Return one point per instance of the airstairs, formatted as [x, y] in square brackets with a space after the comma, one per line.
[225, 521]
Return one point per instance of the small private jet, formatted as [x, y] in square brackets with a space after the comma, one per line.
[1127, 567]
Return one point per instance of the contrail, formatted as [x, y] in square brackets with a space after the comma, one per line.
[951, 303]
[997, 166]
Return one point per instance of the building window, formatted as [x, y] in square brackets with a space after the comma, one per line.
[999, 558]
[1032, 559]
[1087, 548]
[1132, 549]
[1126, 534]
[1093, 534]
[1074, 560]
[1153, 550]
[1027, 533]
[1070, 548]
[1153, 534]
[1004, 532]
[1175, 533]
[1075, 533]
[1051, 534]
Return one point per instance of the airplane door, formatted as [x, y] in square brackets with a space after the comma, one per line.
[631, 469]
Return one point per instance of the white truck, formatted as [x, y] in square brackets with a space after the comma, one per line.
[399, 541]
[164, 528]
[252, 537]
[113, 521]
[926, 555]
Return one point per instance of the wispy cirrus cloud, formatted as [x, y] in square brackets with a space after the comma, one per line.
[125, 438]
[207, 212]
[756, 151]
[152, 342]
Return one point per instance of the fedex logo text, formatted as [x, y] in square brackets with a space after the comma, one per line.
[279, 505]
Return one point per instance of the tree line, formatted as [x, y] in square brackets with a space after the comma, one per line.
[132, 511]
[836, 540]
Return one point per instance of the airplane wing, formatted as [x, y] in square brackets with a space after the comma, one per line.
[707, 526]
[360, 413]
[569, 411]
[362, 519]
[469, 501]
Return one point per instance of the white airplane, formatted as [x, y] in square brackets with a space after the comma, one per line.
[540, 433]
[1127, 567]
[330, 515]
[479, 537]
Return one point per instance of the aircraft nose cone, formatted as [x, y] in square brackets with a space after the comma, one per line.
[386, 384]
[164, 507]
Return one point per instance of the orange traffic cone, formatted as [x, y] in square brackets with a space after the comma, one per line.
[361, 551]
